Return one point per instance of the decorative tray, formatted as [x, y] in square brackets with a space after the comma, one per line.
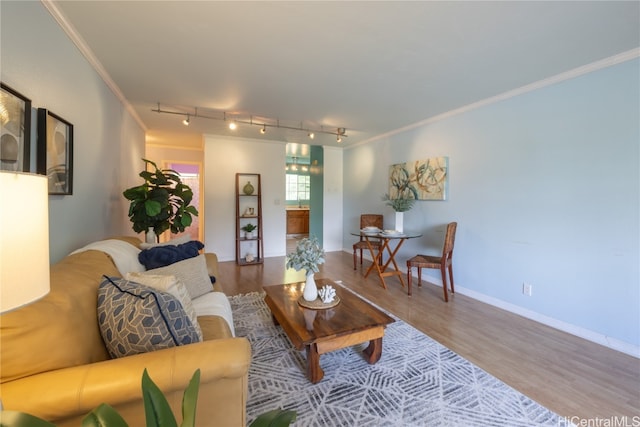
[317, 304]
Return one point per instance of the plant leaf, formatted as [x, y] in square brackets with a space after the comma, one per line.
[21, 419]
[274, 418]
[104, 416]
[156, 408]
[152, 208]
[189, 401]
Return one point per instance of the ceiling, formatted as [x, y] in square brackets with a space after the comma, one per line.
[369, 67]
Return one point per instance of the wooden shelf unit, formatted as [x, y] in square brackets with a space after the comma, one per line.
[244, 202]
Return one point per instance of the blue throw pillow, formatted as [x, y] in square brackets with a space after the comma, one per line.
[135, 319]
[161, 256]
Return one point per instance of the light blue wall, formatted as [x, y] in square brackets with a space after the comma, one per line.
[545, 188]
[40, 61]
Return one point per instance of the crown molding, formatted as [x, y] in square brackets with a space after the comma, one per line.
[568, 75]
[90, 56]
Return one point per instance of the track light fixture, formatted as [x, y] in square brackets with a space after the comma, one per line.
[264, 123]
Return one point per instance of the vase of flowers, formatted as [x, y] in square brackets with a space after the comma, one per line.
[401, 204]
[308, 256]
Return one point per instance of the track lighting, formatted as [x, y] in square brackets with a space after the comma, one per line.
[233, 125]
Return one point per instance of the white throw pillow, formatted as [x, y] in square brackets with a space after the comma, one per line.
[191, 272]
[175, 242]
[173, 286]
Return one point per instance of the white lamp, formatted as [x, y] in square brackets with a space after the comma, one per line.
[24, 239]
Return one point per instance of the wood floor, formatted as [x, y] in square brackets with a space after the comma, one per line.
[571, 376]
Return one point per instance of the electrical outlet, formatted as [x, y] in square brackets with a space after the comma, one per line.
[527, 289]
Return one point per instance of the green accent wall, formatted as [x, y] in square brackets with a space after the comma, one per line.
[316, 203]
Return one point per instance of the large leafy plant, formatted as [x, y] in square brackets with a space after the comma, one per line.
[161, 203]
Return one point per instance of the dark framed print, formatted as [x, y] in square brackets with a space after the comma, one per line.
[55, 151]
[15, 133]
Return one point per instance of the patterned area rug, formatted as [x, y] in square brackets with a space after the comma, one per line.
[417, 382]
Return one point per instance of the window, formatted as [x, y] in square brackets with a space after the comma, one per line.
[298, 187]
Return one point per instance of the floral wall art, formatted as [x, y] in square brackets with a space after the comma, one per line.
[421, 179]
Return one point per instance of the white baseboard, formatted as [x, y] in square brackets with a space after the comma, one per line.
[569, 328]
[578, 331]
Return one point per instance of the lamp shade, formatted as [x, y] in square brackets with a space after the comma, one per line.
[24, 239]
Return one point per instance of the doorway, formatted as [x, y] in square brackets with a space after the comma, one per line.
[190, 174]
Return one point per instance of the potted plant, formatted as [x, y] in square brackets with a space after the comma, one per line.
[400, 204]
[161, 203]
[248, 230]
[308, 255]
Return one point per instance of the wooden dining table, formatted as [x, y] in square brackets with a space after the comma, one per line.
[391, 243]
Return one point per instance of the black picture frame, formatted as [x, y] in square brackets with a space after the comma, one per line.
[15, 133]
[55, 151]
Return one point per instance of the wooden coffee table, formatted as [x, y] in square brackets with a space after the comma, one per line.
[352, 321]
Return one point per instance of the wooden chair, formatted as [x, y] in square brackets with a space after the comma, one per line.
[440, 262]
[367, 220]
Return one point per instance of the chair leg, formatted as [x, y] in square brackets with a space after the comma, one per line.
[360, 257]
[409, 279]
[451, 277]
[419, 277]
[443, 271]
[354, 258]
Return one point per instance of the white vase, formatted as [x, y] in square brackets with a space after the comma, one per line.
[399, 221]
[150, 237]
[310, 289]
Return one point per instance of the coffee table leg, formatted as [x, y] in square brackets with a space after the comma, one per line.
[275, 321]
[314, 371]
[374, 351]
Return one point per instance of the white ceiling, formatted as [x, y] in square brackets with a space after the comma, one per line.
[370, 67]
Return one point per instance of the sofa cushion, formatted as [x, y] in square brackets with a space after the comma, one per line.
[192, 272]
[215, 304]
[135, 319]
[161, 256]
[62, 325]
[174, 287]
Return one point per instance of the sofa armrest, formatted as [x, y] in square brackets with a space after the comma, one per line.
[212, 269]
[72, 392]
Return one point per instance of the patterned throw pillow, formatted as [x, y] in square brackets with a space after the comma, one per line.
[135, 319]
[192, 272]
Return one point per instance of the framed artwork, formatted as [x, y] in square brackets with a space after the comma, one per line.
[15, 133]
[55, 151]
[421, 180]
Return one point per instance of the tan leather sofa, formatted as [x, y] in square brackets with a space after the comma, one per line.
[54, 363]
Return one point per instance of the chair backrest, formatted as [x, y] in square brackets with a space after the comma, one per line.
[449, 240]
[371, 220]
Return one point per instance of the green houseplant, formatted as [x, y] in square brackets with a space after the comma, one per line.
[308, 255]
[400, 204]
[161, 203]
